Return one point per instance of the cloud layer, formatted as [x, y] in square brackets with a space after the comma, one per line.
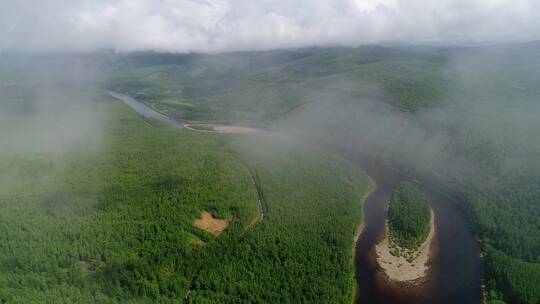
[224, 25]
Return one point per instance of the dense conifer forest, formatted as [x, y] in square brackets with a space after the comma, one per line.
[115, 224]
[409, 215]
[301, 251]
[98, 218]
[442, 113]
[109, 218]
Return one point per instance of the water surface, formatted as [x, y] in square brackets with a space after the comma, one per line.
[455, 267]
[146, 111]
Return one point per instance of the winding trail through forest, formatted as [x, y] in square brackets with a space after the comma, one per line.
[263, 206]
[222, 129]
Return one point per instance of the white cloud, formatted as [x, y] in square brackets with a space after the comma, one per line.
[220, 25]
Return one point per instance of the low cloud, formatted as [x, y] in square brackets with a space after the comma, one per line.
[228, 25]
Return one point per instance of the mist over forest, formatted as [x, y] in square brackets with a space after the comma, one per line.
[290, 119]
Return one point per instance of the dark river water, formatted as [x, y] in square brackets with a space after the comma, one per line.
[455, 266]
[455, 272]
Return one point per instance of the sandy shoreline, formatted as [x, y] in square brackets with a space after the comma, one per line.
[397, 268]
[230, 129]
[223, 129]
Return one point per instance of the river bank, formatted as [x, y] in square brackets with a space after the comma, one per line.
[397, 268]
[454, 271]
[223, 129]
[372, 186]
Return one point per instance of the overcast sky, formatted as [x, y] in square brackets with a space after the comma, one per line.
[224, 25]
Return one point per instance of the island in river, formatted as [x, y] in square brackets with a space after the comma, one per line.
[401, 268]
[405, 251]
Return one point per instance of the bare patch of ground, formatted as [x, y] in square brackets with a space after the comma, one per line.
[228, 129]
[397, 268]
[210, 224]
[234, 129]
[221, 129]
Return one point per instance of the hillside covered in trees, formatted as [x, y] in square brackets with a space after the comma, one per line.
[300, 252]
[98, 205]
[464, 118]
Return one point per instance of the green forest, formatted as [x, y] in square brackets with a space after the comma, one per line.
[114, 225]
[409, 216]
[100, 208]
[464, 118]
[300, 252]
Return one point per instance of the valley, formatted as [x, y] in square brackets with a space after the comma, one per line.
[244, 177]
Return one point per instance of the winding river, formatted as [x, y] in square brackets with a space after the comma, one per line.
[146, 111]
[455, 266]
